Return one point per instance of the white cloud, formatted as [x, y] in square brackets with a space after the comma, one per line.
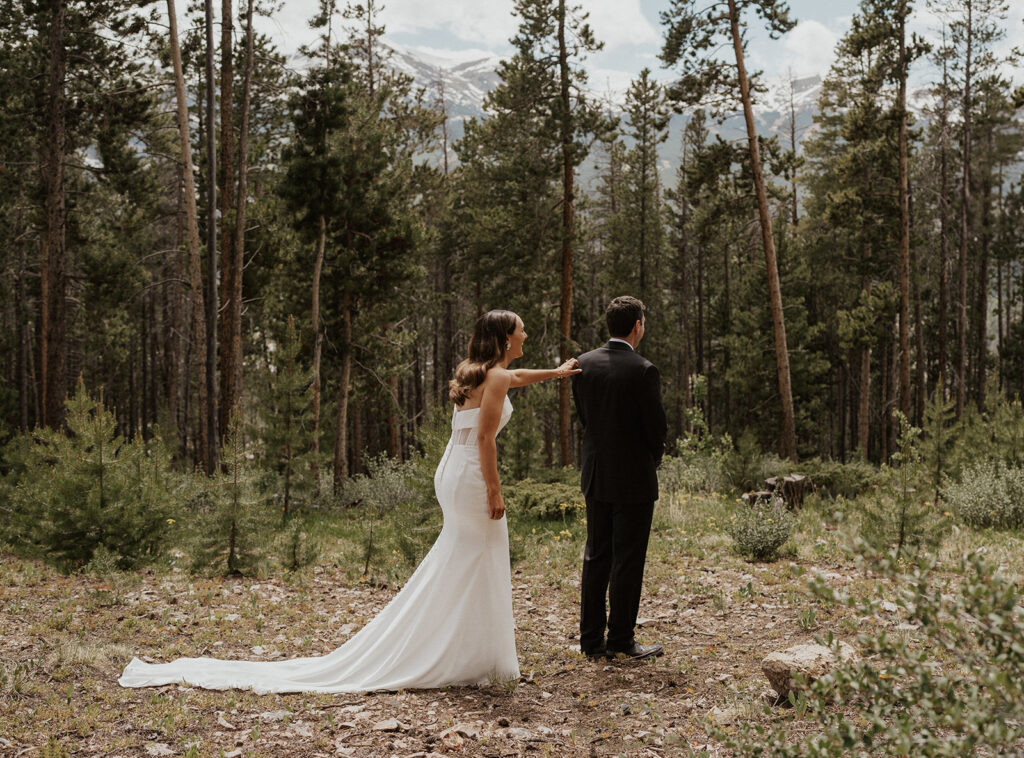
[620, 22]
[808, 49]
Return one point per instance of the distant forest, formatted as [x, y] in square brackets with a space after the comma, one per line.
[214, 243]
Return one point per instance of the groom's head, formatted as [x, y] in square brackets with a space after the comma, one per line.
[625, 317]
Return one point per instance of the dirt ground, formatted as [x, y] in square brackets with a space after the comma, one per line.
[63, 641]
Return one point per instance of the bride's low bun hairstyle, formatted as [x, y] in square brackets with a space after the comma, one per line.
[486, 349]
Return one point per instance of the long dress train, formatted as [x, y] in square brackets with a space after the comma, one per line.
[451, 624]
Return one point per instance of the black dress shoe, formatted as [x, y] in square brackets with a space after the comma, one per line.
[596, 653]
[638, 652]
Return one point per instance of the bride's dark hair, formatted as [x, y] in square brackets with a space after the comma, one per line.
[486, 348]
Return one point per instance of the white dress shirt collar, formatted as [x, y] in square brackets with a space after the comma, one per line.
[616, 339]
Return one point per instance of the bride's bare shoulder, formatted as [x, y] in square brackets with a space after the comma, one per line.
[498, 377]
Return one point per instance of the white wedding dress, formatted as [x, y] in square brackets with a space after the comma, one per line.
[450, 625]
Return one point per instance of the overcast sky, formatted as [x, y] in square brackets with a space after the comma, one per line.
[630, 29]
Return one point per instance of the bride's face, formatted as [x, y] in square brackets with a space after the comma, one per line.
[516, 340]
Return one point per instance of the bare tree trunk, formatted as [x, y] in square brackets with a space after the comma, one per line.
[226, 195]
[212, 307]
[318, 338]
[986, 244]
[788, 431]
[341, 440]
[792, 147]
[24, 337]
[192, 227]
[565, 321]
[904, 199]
[965, 200]
[53, 284]
[231, 373]
[940, 380]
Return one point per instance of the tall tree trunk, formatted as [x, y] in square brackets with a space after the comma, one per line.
[53, 283]
[940, 380]
[318, 338]
[565, 321]
[986, 245]
[965, 200]
[234, 243]
[792, 146]
[341, 440]
[21, 318]
[198, 351]
[212, 307]
[904, 199]
[787, 440]
[229, 273]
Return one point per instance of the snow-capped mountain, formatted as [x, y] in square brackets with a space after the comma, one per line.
[464, 83]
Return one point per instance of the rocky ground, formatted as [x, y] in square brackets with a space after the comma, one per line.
[64, 640]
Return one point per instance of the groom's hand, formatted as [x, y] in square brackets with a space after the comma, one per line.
[496, 506]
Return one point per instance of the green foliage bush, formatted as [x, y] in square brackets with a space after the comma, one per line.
[233, 518]
[956, 690]
[836, 479]
[900, 517]
[74, 492]
[760, 529]
[990, 495]
[396, 512]
[545, 501]
[746, 467]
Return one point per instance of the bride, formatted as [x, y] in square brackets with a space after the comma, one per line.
[452, 622]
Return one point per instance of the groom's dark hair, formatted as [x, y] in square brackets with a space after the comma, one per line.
[622, 313]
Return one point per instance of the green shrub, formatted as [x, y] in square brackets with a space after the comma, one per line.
[87, 488]
[233, 517]
[760, 529]
[990, 495]
[690, 472]
[396, 511]
[955, 690]
[900, 517]
[836, 479]
[745, 468]
[548, 502]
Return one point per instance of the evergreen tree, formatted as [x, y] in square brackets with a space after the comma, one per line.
[89, 489]
[694, 35]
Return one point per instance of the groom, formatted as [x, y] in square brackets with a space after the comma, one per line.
[618, 401]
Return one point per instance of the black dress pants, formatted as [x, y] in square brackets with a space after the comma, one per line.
[613, 566]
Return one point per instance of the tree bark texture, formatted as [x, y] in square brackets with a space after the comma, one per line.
[788, 427]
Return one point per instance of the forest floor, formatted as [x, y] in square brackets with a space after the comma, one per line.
[64, 640]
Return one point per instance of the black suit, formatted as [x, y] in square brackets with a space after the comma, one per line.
[618, 401]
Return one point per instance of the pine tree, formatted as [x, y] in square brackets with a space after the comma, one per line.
[695, 34]
[285, 423]
[89, 488]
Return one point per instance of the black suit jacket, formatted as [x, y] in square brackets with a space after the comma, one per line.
[618, 400]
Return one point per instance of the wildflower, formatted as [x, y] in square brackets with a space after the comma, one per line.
[170, 521]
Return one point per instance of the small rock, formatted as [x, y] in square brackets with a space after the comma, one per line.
[890, 606]
[301, 730]
[268, 716]
[233, 754]
[257, 650]
[452, 740]
[724, 716]
[224, 722]
[503, 722]
[387, 725]
[518, 733]
[158, 748]
[811, 661]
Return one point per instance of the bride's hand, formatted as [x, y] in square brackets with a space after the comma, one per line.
[567, 369]
[496, 506]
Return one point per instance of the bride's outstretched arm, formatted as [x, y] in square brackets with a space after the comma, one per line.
[524, 376]
[495, 387]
